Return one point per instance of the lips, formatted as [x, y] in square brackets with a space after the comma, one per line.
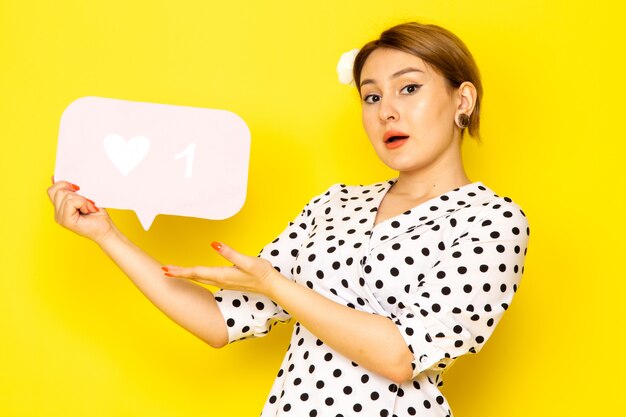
[394, 138]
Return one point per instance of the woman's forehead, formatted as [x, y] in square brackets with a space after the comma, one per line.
[384, 63]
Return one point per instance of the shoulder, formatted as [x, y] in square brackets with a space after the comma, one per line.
[342, 191]
[498, 206]
[500, 213]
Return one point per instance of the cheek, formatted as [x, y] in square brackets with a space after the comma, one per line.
[369, 121]
[433, 114]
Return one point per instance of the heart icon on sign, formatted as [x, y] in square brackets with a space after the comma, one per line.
[126, 155]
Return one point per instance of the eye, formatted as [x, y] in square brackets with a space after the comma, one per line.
[410, 89]
[371, 98]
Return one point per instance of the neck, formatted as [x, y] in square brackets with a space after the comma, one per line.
[433, 180]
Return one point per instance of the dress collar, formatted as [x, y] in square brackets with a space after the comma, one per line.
[424, 213]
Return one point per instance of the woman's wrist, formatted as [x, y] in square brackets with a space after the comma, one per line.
[271, 284]
[110, 236]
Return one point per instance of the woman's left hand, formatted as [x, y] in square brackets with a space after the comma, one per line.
[249, 273]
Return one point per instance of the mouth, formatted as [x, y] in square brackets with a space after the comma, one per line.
[394, 138]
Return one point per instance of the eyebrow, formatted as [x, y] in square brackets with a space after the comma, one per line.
[394, 75]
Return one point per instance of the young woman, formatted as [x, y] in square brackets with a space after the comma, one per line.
[388, 283]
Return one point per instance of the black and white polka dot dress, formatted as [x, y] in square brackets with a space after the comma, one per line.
[444, 272]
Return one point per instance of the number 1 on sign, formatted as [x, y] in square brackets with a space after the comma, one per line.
[187, 152]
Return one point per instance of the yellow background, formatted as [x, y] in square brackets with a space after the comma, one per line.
[77, 339]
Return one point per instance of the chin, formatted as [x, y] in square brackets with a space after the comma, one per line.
[403, 163]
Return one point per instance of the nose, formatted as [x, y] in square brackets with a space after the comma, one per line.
[387, 111]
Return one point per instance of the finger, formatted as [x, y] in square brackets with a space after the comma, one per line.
[204, 274]
[92, 206]
[59, 192]
[240, 260]
[71, 204]
[189, 272]
[58, 186]
[60, 198]
[71, 200]
[88, 207]
[175, 272]
[66, 185]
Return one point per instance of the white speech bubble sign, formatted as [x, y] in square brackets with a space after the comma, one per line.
[155, 158]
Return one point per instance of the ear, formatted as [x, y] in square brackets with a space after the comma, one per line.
[467, 98]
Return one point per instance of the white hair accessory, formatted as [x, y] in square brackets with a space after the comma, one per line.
[345, 66]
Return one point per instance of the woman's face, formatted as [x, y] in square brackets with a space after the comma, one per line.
[408, 112]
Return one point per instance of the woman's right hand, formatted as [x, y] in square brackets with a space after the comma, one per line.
[77, 213]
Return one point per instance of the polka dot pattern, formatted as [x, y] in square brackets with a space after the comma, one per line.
[444, 272]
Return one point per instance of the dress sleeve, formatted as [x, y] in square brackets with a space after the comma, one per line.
[460, 301]
[249, 314]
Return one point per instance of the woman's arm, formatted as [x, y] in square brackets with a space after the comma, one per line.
[191, 306]
[371, 340]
